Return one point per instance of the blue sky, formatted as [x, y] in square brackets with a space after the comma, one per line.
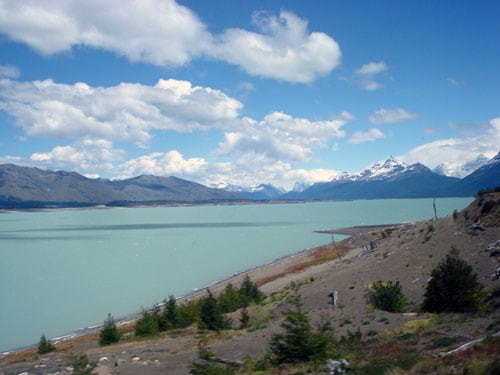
[248, 92]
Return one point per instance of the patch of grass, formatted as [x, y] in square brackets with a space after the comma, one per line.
[443, 341]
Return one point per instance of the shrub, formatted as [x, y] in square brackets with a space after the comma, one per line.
[109, 333]
[148, 325]
[453, 286]
[386, 296]
[45, 346]
[81, 364]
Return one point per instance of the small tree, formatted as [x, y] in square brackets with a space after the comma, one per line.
[109, 333]
[386, 296]
[148, 325]
[211, 316]
[300, 342]
[244, 318]
[45, 346]
[250, 292]
[453, 286]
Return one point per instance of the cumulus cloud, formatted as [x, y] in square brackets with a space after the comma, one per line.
[251, 170]
[85, 156]
[164, 33]
[158, 32]
[283, 49]
[368, 136]
[368, 73]
[163, 164]
[126, 112]
[456, 152]
[391, 116]
[280, 136]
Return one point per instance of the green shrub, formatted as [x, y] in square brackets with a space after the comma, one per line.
[148, 325]
[109, 333]
[45, 346]
[453, 286]
[81, 364]
[386, 296]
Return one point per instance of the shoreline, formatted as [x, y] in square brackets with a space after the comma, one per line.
[262, 275]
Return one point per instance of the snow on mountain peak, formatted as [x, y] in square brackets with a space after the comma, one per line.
[382, 169]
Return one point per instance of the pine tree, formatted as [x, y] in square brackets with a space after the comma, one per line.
[109, 333]
[211, 316]
[300, 342]
[45, 346]
[453, 286]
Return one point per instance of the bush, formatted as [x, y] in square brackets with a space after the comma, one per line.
[81, 364]
[453, 286]
[109, 333]
[299, 342]
[386, 296]
[45, 346]
[149, 324]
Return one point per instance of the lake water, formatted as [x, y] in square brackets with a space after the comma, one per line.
[65, 270]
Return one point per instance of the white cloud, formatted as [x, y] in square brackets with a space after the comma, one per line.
[391, 116]
[251, 170]
[9, 71]
[84, 156]
[281, 137]
[158, 32]
[367, 74]
[368, 136]
[126, 112]
[164, 33]
[284, 49]
[456, 152]
[163, 164]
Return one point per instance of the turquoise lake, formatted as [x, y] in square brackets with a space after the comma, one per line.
[65, 270]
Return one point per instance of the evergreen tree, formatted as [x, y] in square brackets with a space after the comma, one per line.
[230, 299]
[148, 325]
[299, 342]
[45, 346]
[244, 318]
[211, 316]
[250, 292]
[453, 286]
[109, 333]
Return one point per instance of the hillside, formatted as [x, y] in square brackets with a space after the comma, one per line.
[373, 341]
[22, 187]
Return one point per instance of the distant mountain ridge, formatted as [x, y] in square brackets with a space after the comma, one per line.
[395, 179]
[25, 187]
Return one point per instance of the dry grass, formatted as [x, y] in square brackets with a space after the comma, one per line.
[321, 255]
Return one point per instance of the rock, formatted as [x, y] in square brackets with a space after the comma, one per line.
[337, 367]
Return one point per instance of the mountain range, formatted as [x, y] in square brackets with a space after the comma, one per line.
[26, 187]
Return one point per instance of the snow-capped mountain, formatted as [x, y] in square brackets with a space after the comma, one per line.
[257, 192]
[461, 170]
[389, 178]
[380, 170]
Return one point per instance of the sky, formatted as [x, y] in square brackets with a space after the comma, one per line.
[248, 92]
